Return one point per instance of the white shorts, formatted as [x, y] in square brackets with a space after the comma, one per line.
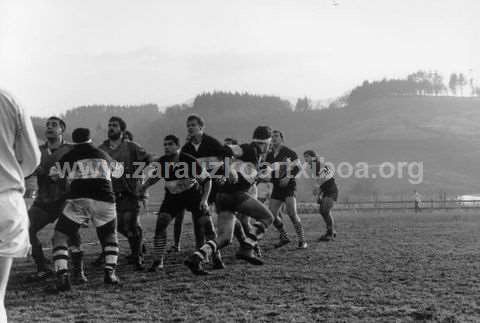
[14, 223]
[82, 210]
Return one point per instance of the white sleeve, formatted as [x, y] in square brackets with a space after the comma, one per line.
[26, 145]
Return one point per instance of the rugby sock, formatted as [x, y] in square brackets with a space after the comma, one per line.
[160, 246]
[60, 258]
[208, 249]
[299, 229]
[281, 229]
[111, 255]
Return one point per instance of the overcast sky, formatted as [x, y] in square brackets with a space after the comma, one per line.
[58, 54]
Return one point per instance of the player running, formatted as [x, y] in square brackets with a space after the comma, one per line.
[286, 166]
[187, 187]
[48, 203]
[233, 197]
[128, 202]
[326, 191]
[91, 197]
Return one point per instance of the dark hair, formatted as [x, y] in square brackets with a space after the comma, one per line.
[80, 135]
[310, 153]
[262, 133]
[280, 133]
[121, 122]
[196, 117]
[172, 138]
[62, 123]
[128, 135]
[234, 141]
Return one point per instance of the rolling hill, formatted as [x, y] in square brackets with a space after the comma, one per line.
[441, 132]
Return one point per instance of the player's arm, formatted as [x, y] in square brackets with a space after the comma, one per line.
[26, 145]
[203, 177]
[153, 176]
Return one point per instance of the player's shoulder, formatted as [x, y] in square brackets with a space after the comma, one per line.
[289, 152]
[132, 145]
[211, 140]
[186, 157]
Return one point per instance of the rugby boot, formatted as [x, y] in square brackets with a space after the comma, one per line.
[194, 263]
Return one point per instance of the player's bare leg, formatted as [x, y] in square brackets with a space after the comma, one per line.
[326, 204]
[5, 266]
[291, 208]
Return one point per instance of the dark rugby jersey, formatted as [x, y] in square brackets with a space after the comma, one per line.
[325, 177]
[209, 150]
[48, 189]
[285, 163]
[128, 153]
[90, 175]
[180, 174]
[246, 163]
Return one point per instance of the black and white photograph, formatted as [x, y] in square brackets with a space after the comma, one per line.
[239, 161]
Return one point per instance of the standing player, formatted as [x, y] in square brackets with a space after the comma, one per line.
[127, 199]
[19, 158]
[233, 197]
[325, 190]
[91, 197]
[48, 203]
[286, 166]
[187, 187]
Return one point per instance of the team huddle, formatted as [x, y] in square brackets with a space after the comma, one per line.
[80, 183]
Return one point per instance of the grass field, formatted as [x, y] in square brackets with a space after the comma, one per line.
[383, 267]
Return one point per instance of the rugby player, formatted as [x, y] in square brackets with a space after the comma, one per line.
[90, 197]
[210, 153]
[233, 197]
[48, 203]
[127, 199]
[187, 187]
[326, 191]
[286, 166]
[19, 158]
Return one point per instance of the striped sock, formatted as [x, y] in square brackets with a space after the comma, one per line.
[299, 229]
[111, 255]
[208, 249]
[278, 224]
[159, 247]
[60, 258]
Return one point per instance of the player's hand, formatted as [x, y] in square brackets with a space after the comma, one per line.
[204, 205]
[54, 174]
[316, 191]
[284, 181]
[232, 176]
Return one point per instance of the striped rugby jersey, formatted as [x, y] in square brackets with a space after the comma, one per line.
[90, 173]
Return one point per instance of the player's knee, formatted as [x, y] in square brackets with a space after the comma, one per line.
[163, 221]
[107, 231]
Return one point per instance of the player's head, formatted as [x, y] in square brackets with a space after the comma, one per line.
[171, 144]
[310, 156]
[195, 125]
[81, 136]
[128, 136]
[54, 128]
[262, 136]
[116, 128]
[277, 138]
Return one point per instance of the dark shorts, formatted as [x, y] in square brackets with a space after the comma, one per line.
[189, 200]
[281, 193]
[127, 203]
[230, 201]
[41, 212]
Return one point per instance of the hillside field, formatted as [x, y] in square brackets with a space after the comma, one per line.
[395, 267]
